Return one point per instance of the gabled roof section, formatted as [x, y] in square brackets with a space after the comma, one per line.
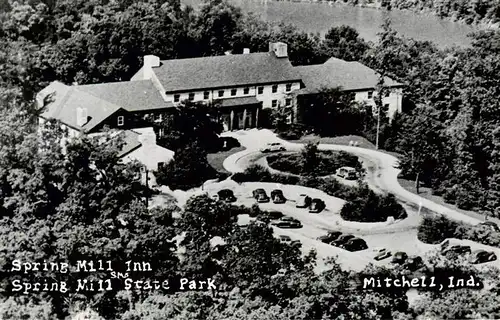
[132, 96]
[100, 100]
[64, 101]
[179, 75]
[349, 75]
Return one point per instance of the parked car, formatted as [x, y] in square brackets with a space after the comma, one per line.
[316, 206]
[456, 250]
[330, 236]
[275, 214]
[343, 239]
[413, 263]
[263, 217]
[399, 257]
[285, 239]
[491, 224]
[260, 195]
[355, 244]
[277, 196]
[382, 254]
[273, 147]
[287, 222]
[482, 256]
[303, 201]
[226, 195]
[348, 173]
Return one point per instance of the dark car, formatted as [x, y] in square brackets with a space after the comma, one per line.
[330, 236]
[355, 244]
[287, 222]
[277, 196]
[260, 195]
[316, 206]
[263, 217]
[456, 250]
[274, 214]
[343, 239]
[399, 257]
[482, 256]
[226, 195]
[413, 263]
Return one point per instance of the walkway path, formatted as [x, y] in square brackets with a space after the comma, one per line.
[383, 176]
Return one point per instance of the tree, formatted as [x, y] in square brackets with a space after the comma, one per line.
[189, 168]
[344, 43]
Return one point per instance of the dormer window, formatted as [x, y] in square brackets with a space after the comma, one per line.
[121, 120]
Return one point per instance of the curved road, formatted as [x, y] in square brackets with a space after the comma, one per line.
[383, 175]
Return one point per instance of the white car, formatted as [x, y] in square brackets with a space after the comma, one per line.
[273, 147]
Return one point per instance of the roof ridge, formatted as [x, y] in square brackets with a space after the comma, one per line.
[93, 95]
[218, 56]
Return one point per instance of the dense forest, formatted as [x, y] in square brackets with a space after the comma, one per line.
[86, 203]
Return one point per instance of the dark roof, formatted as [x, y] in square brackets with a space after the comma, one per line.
[349, 75]
[131, 95]
[224, 71]
[241, 101]
[100, 100]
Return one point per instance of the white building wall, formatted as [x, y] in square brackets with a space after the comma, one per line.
[395, 100]
[266, 97]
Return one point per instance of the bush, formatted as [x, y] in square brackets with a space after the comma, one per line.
[435, 229]
[372, 208]
[292, 132]
[320, 163]
[258, 173]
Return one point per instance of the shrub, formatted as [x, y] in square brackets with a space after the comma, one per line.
[435, 229]
[313, 162]
[372, 208]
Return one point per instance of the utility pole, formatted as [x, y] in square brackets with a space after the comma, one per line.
[147, 187]
[378, 125]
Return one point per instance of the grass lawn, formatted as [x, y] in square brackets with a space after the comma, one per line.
[426, 193]
[217, 159]
[345, 140]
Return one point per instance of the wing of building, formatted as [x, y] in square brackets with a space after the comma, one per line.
[240, 85]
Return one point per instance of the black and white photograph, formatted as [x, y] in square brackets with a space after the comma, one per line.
[249, 159]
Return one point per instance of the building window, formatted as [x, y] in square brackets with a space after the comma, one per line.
[191, 96]
[288, 102]
[221, 93]
[246, 90]
[387, 93]
[370, 94]
[275, 88]
[386, 106]
[177, 97]
[233, 92]
[161, 132]
[288, 87]
[121, 120]
[274, 103]
[206, 95]
[260, 90]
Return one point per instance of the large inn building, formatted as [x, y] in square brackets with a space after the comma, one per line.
[240, 85]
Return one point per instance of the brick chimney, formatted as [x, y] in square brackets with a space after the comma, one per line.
[150, 62]
[280, 49]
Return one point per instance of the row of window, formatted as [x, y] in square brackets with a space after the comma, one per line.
[370, 94]
[220, 93]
